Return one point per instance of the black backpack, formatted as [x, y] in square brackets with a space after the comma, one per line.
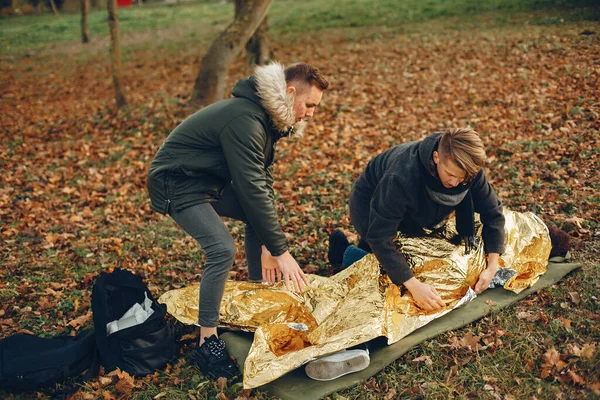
[140, 349]
[30, 362]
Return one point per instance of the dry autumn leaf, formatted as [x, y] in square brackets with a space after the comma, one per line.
[126, 382]
[551, 357]
[471, 342]
[575, 378]
[80, 321]
[528, 316]
[575, 297]
[425, 359]
[221, 383]
[588, 351]
[107, 395]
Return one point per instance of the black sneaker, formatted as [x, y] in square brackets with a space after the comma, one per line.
[213, 360]
[337, 246]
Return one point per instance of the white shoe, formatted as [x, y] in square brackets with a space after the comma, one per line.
[338, 364]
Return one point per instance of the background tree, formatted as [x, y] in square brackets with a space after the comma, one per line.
[214, 67]
[115, 51]
[257, 49]
[85, 33]
[54, 8]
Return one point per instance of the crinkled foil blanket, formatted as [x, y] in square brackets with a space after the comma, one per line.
[360, 303]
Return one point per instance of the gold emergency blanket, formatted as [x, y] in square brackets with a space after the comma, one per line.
[360, 303]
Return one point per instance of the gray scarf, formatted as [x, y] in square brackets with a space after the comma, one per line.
[450, 200]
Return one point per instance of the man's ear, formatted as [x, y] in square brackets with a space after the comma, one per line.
[436, 157]
[291, 89]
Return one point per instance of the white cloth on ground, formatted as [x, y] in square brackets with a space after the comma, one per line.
[136, 315]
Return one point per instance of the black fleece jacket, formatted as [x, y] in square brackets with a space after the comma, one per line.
[393, 187]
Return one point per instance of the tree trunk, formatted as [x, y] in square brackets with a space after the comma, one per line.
[115, 51]
[53, 4]
[258, 51]
[210, 82]
[257, 48]
[85, 33]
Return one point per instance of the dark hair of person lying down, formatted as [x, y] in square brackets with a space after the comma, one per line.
[561, 242]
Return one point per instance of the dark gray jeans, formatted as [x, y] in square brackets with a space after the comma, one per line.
[203, 222]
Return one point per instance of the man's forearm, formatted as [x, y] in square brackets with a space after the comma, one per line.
[393, 262]
[492, 260]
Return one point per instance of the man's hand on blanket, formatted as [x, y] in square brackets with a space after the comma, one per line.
[291, 271]
[270, 269]
[424, 295]
[487, 274]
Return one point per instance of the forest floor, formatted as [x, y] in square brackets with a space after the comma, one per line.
[73, 200]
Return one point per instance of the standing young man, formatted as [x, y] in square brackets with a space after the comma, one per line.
[418, 185]
[217, 163]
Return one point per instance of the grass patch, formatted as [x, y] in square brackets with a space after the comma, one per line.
[26, 34]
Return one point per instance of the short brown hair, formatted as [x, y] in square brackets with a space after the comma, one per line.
[465, 148]
[306, 73]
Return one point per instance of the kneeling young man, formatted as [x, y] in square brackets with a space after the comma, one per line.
[418, 185]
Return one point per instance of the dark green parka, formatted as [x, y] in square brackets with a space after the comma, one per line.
[231, 141]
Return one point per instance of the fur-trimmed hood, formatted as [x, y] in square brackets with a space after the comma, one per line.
[268, 84]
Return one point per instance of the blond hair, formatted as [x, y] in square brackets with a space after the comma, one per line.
[465, 148]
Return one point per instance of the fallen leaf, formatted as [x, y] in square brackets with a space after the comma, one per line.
[451, 372]
[575, 378]
[391, 394]
[426, 359]
[126, 382]
[454, 342]
[51, 238]
[528, 316]
[107, 395]
[595, 387]
[588, 351]
[103, 381]
[575, 298]
[80, 321]
[221, 383]
[189, 336]
[574, 350]
[545, 372]
[490, 303]
[470, 342]
[466, 360]
[551, 357]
